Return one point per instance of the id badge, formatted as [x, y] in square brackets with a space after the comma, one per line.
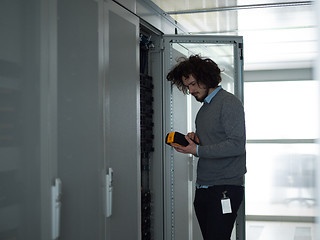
[226, 204]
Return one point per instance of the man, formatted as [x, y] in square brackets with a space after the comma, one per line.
[220, 134]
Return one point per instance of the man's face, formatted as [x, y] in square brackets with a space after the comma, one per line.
[199, 91]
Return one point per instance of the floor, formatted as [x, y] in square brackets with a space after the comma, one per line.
[258, 230]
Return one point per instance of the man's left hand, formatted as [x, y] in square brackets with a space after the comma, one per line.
[190, 149]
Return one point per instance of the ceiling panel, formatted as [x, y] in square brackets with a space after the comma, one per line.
[209, 5]
[254, 2]
[277, 33]
[180, 5]
[276, 18]
[212, 22]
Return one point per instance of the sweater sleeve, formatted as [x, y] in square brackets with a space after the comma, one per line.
[233, 123]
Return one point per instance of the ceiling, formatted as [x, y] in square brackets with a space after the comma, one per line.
[277, 34]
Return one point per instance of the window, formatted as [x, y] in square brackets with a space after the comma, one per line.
[282, 128]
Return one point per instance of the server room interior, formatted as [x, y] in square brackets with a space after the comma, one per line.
[32, 117]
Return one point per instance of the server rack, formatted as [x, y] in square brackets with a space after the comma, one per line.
[147, 134]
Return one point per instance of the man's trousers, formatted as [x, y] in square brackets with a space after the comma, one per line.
[213, 223]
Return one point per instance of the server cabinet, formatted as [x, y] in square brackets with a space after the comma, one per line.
[119, 72]
[179, 113]
[170, 181]
[27, 123]
[79, 128]
[151, 161]
[70, 109]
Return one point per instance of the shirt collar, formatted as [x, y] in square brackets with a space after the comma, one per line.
[211, 95]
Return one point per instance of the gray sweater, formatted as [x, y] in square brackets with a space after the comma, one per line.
[220, 126]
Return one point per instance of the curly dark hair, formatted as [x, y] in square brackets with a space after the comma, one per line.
[204, 70]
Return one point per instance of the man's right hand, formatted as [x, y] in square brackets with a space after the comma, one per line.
[193, 136]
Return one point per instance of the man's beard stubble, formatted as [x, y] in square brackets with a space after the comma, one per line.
[201, 98]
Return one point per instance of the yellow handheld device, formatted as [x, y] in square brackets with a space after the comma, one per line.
[176, 138]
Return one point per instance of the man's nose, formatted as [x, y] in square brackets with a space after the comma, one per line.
[191, 89]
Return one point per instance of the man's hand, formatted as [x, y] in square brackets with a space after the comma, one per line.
[190, 149]
[194, 137]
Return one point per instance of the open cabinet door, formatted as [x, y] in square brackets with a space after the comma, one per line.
[179, 115]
